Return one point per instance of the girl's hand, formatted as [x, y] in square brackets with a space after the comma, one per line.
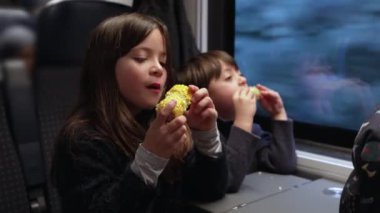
[202, 114]
[165, 134]
[271, 101]
[245, 108]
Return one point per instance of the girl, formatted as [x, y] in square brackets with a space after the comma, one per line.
[113, 154]
[248, 147]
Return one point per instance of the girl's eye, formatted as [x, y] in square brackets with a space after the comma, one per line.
[139, 59]
[163, 63]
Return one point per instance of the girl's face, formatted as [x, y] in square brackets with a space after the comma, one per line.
[141, 73]
[221, 90]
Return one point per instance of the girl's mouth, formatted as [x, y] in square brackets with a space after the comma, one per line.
[155, 87]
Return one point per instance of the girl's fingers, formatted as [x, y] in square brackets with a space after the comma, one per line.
[179, 133]
[193, 88]
[199, 95]
[183, 138]
[203, 104]
[181, 141]
[176, 123]
[210, 112]
[164, 114]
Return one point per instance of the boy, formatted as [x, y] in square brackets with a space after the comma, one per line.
[248, 148]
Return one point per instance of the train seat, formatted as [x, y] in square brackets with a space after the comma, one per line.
[63, 28]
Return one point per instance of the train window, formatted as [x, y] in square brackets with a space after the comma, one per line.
[321, 56]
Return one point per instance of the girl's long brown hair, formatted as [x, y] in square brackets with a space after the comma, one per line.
[101, 107]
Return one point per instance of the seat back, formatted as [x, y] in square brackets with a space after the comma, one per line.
[20, 141]
[63, 30]
[13, 191]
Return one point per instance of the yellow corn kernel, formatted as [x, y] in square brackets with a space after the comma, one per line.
[181, 94]
[256, 92]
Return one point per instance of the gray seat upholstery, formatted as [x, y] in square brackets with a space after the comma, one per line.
[18, 181]
[13, 191]
[63, 28]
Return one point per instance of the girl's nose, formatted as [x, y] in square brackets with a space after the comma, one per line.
[157, 69]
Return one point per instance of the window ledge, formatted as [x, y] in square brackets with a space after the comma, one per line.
[323, 166]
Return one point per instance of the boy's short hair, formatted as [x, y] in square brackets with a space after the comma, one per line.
[201, 69]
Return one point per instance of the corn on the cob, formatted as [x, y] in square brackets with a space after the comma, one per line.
[181, 94]
[256, 92]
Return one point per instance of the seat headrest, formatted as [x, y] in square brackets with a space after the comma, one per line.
[15, 16]
[63, 29]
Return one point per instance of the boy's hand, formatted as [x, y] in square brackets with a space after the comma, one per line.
[245, 108]
[271, 101]
[165, 133]
[202, 114]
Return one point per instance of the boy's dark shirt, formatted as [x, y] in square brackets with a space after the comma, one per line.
[258, 150]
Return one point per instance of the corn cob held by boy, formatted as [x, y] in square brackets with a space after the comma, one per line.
[256, 92]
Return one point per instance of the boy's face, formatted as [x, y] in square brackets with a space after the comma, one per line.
[222, 89]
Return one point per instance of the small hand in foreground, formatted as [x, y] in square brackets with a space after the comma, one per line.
[245, 108]
[166, 134]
